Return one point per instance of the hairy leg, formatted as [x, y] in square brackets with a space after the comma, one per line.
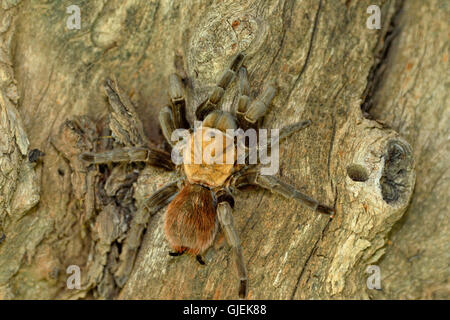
[225, 216]
[258, 107]
[155, 202]
[249, 112]
[212, 102]
[244, 92]
[174, 116]
[220, 120]
[178, 102]
[152, 156]
[200, 259]
[252, 176]
[167, 123]
[176, 253]
[285, 132]
[244, 100]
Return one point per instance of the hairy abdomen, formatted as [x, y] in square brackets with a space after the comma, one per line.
[190, 223]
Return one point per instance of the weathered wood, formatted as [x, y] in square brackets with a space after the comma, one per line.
[326, 63]
[412, 98]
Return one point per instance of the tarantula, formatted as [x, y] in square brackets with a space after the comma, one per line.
[203, 199]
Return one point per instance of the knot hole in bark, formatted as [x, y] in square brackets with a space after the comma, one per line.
[395, 180]
[357, 172]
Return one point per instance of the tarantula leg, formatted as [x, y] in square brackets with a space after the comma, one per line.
[200, 259]
[155, 202]
[212, 102]
[274, 184]
[244, 92]
[167, 124]
[244, 99]
[220, 120]
[125, 124]
[286, 131]
[258, 107]
[225, 216]
[178, 102]
[176, 254]
[179, 251]
[152, 156]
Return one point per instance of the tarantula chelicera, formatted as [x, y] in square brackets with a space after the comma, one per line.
[202, 200]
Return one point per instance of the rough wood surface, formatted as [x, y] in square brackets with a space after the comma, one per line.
[412, 98]
[329, 68]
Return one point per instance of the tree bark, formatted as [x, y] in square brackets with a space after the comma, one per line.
[377, 99]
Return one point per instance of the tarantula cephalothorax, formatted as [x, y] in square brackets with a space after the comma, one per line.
[203, 200]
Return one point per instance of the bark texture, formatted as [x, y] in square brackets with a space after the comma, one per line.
[377, 99]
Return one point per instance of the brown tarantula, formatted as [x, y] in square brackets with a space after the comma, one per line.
[203, 200]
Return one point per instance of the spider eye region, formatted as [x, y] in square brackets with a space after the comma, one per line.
[209, 157]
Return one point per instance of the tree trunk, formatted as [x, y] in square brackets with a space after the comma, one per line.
[377, 99]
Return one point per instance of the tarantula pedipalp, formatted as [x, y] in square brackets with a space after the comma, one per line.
[204, 200]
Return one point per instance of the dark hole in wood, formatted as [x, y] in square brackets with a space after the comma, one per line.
[394, 179]
[357, 172]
